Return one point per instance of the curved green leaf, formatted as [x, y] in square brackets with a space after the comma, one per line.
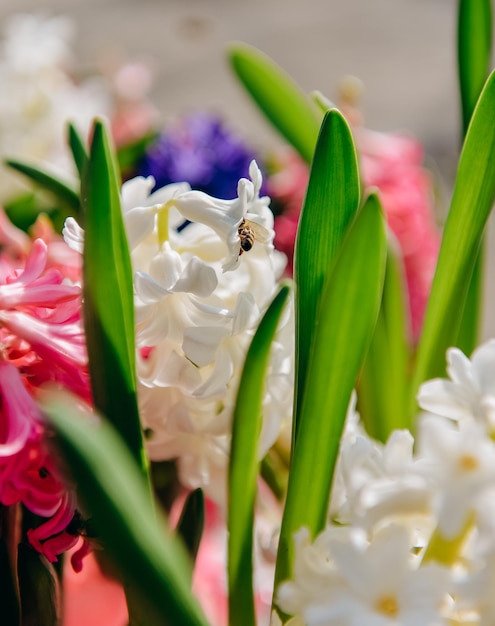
[331, 202]
[474, 43]
[473, 198]
[78, 149]
[382, 389]
[10, 536]
[39, 589]
[192, 520]
[278, 97]
[244, 466]
[148, 556]
[108, 297]
[347, 313]
[61, 190]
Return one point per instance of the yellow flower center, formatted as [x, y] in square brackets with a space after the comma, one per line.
[387, 605]
[162, 222]
[468, 463]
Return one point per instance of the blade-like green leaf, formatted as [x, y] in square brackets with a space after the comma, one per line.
[10, 536]
[347, 313]
[61, 190]
[148, 556]
[278, 97]
[474, 195]
[331, 202]
[129, 155]
[474, 42]
[382, 390]
[39, 589]
[469, 328]
[78, 149]
[244, 466]
[192, 520]
[108, 297]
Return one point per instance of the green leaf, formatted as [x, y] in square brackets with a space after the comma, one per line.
[149, 557]
[129, 155]
[469, 329]
[474, 43]
[346, 318]
[275, 474]
[10, 535]
[78, 149]
[39, 589]
[23, 210]
[244, 466]
[278, 97]
[331, 202]
[382, 390]
[108, 297]
[473, 198]
[61, 190]
[192, 521]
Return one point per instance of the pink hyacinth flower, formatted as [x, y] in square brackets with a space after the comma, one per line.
[42, 341]
[393, 163]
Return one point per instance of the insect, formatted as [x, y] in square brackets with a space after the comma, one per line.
[249, 232]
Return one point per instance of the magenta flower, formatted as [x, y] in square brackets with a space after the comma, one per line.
[42, 341]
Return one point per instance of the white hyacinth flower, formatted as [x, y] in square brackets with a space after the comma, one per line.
[459, 464]
[195, 321]
[474, 591]
[225, 217]
[470, 392]
[343, 580]
[379, 483]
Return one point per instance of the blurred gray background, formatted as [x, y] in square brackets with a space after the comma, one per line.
[403, 50]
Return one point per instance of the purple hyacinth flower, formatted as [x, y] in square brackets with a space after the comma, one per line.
[199, 150]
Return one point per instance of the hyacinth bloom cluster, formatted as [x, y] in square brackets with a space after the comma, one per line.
[198, 298]
[201, 150]
[42, 343]
[341, 529]
[410, 538]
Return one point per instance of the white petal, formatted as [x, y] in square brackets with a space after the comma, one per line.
[197, 278]
[220, 215]
[245, 313]
[483, 360]
[446, 398]
[166, 267]
[201, 343]
[218, 380]
[176, 371]
[73, 235]
[459, 367]
[164, 194]
[232, 263]
[135, 192]
[255, 176]
[148, 289]
[139, 223]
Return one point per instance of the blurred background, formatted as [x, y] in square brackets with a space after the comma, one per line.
[404, 52]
